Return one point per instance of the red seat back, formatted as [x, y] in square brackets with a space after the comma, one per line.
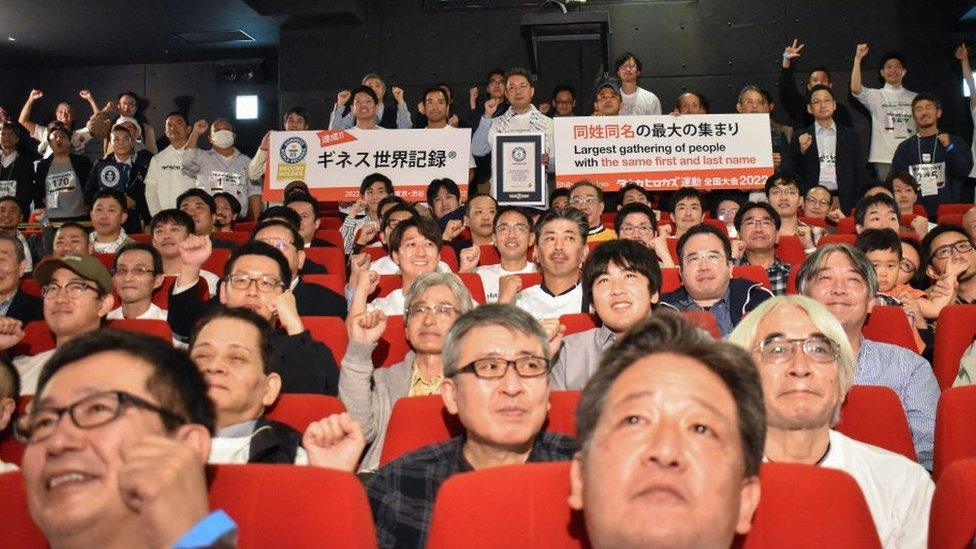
[245, 226]
[752, 273]
[952, 521]
[670, 279]
[331, 332]
[815, 221]
[846, 225]
[393, 345]
[578, 322]
[330, 281]
[791, 288]
[375, 252]
[956, 332]
[875, 415]
[237, 237]
[217, 261]
[957, 208]
[836, 239]
[530, 279]
[387, 284]
[158, 328]
[704, 320]
[329, 223]
[421, 421]
[11, 450]
[889, 324]
[332, 236]
[489, 255]
[951, 219]
[299, 410]
[331, 258]
[450, 258]
[472, 281]
[790, 250]
[955, 437]
[31, 287]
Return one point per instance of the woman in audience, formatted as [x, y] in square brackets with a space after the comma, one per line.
[433, 302]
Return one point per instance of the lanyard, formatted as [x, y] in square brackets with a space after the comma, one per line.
[935, 147]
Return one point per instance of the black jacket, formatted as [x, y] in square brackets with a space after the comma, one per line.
[744, 296]
[21, 171]
[958, 161]
[312, 268]
[273, 442]
[315, 300]
[851, 174]
[81, 165]
[796, 104]
[26, 308]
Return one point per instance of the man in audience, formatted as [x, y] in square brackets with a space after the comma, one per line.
[796, 102]
[563, 100]
[636, 221]
[841, 277]
[383, 114]
[133, 473]
[312, 299]
[165, 179]
[14, 303]
[807, 369]
[636, 100]
[258, 278]
[392, 216]
[444, 199]
[9, 395]
[783, 194]
[671, 431]
[77, 294]
[817, 202]
[687, 209]
[705, 257]
[755, 100]
[307, 209]
[227, 212]
[513, 238]
[10, 219]
[606, 101]
[560, 250]
[877, 211]
[969, 222]
[433, 303]
[479, 218]
[363, 218]
[724, 207]
[296, 120]
[122, 171]
[137, 274]
[222, 168]
[202, 208]
[60, 180]
[108, 214]
[496, 359]
[559, 199]
[588, 198]
[757, 224]
[16, 167]
[941, 173]
[951, 262]
[632, 192]
[169, 228]
[71, 239]
[232, 349]
[622, 280]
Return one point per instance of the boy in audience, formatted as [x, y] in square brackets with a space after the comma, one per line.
[687, 209]
[807, 369]
[169, 229]
[137, 274]
[622, 280]
[758, 224]
[513, 238]
[108, 214]
[9, 395]
[877, 211]
[588, 198]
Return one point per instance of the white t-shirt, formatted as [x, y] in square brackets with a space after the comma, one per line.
[391, 304]
[217, 173]
[8, 467]
[541, 305]
[29, 368]
[237, 450]
[490, 275]
[154, 312]
[78, 139]
[165, 180]
[639, 102]
[898, 491]
[386, 266]
[891, 119]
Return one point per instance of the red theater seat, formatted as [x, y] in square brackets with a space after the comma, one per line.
[874, 415]
[952, 521]
[753, 273]
[955, 435]
[836, 239]
[472, 281]
[331, 258]
[331, 332]
[299, 410]
[578, 322]
[956, 332]
[330, 281]
[332, 236]
[889, 324]
[944, 209]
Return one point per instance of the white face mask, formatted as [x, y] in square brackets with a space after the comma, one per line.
[223, 139]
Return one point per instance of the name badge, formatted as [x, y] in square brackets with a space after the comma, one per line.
[8, 187]
[930, 176]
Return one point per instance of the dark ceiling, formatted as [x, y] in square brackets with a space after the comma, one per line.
[99, 32]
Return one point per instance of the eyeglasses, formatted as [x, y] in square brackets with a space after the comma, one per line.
[440, 311]
[90, 412]
[518, 228]
[757, 223]
[711, 257]
[138, 271]
[497, 82]
[628, 67]
[265, 283]
[907, 266]
[278, 243]
[818, 102]
[564, 102]
[496, 368]
[580, 201]
[788, 191]
[520, 86]
[73, 289]
[815, 202]
[945, 252]
[631, 229]
[778, 349]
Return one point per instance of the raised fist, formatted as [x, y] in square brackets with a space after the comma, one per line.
[343, 97]
[35, 95]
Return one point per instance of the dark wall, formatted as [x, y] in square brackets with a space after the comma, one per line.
[164, 86]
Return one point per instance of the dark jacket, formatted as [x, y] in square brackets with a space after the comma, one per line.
[744, 296]
[273, 442]
[315, 300]
[26, 308]
[81, 165]
[795, 103]
[312, 268]
[305, 365]
[125, 178]
[958, 160]
[21, 171]
[851, 175]
[320, 243]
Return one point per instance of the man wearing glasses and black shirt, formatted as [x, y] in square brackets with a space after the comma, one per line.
[951, 262]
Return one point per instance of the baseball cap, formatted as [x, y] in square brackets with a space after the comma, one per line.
[609, 83]
[84, 266]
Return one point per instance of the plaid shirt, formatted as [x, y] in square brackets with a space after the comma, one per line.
[778, 273]
[402, 492]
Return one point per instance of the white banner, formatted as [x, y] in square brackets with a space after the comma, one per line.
[661, 153]
[334, 162]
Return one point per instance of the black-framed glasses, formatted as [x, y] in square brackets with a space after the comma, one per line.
[243, 281]
[88, 413]
[960, 247]
[496, 368]
[779, 349]
[907, 266]
[443, 310]
[73, 289]
[138, 271]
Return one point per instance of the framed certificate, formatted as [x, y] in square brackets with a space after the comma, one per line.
[518, 177]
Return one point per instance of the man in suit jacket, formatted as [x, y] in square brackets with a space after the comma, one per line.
[14, 303]
[829, 154]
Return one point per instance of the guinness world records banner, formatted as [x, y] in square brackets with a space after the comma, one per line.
[662, 153]
[334, 162]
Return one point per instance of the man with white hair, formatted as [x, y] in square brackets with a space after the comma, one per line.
[807, 368]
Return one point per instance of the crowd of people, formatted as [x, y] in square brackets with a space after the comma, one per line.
[692, 376]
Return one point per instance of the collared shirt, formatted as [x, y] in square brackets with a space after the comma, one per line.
[483, 140]
[421, 387]
[909, 375]
[393, 303]
[721, 310]
[402, 492]
[217, 173]
[5, 304]
[778, 274]
[579, 357]
[7, 159]
[27, 252]
[108, 247]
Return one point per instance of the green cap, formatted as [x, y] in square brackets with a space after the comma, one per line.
[84, 266]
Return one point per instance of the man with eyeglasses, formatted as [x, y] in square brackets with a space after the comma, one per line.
[563, 100]
[116, 442]
[752, 100]
[817, 202]
[634, 99]
[257, 277]
[588, 198]
[790, 96]
[137, 273]
[951, 262]
[758, 224]
[496, 366]
[829, 154]
[783, 194]
[636, 221]
[807, 369]
[842, 278]
[77, 294]
[513, 238]
[705, 256]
